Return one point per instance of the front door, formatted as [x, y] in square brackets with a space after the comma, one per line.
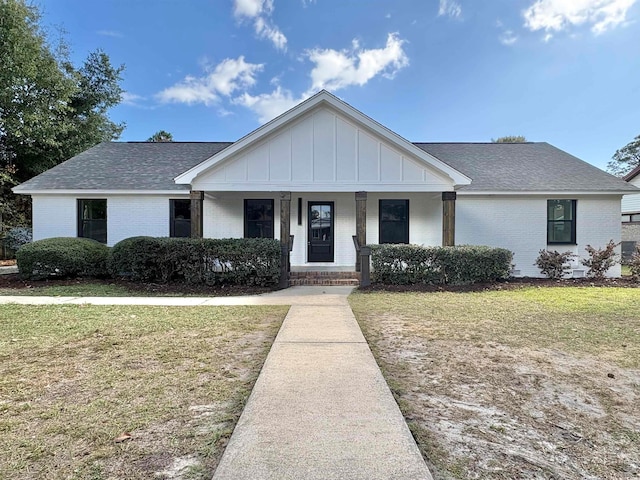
[320, 236]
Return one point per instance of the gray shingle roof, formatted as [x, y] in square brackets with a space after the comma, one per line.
[126, 166]
[523, 167]
[516, 167]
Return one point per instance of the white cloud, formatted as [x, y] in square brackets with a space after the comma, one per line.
[270, 32]
[110, 33]
[557, 15]
[259, 11]
[128, 98]
[450, 8]
[251, 8]
[269, 105]
[227, 77]
[508, 38]
[335, 69]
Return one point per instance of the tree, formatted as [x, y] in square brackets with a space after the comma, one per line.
[510, 139]
[161, 136]
[625, 159]
[49, 110]
[33, 87]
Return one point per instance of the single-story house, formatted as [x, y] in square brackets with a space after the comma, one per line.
[324, 172]
[631, 216]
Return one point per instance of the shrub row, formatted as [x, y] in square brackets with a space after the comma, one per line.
[410, 264]
[237, 261]
[149, 259]
[63, 257]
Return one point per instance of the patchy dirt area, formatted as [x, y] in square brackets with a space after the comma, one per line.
[500, 412]
[496, 410]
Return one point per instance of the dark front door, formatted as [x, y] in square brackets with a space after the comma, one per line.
[320, 236]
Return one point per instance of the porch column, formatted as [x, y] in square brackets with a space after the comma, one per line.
[285, 231]
[448, 219]
[197, 200]
[361, 223]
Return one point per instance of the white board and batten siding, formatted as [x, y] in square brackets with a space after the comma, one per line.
[322, 151]
[631, 203]
[519, 223]
[127, 216]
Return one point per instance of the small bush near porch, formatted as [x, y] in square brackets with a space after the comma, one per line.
[523, 383]
[414, 264]
[77, 380]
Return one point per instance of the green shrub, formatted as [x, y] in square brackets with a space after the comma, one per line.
[237, 261]
[554, 264]
[17, 237]
[600, 260]
[410, 264]
[634, 264]
[62, 257]
[141, 259]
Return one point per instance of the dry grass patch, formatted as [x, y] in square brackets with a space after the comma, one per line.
[535, 383]
[73, 378]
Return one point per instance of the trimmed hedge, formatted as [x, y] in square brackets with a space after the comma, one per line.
[62, 257]
[410, 264]
[236, 261]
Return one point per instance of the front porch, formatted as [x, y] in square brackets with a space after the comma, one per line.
[321, 232]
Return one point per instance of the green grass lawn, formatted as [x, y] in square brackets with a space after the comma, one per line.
[532, 382]
[80, 289]
[74, 377]
[593, 321]
[96, 288]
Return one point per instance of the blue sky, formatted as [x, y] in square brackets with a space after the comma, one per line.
[562, 71]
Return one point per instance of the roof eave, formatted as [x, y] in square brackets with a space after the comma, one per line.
[632, 174]
[546, 192]
[95, 191]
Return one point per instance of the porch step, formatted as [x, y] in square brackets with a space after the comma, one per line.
[324, 278]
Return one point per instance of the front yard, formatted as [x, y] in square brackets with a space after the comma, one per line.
[76, 381]
[526, 383]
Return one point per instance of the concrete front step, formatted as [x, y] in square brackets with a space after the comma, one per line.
[324, 278]
[297, 282]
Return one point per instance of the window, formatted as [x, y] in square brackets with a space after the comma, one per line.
[631, 218]
[561, 221]
[394, 221]
[92, 219]
[180, 223]
[258, 218]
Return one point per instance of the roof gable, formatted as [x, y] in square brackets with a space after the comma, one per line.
[323, 142]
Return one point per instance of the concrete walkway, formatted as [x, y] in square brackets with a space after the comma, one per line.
[320, 408]
[289, 296]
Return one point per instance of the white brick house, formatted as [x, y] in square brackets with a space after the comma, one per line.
[324, 172]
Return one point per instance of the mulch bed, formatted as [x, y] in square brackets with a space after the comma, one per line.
[15, 282]
[511, 284]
